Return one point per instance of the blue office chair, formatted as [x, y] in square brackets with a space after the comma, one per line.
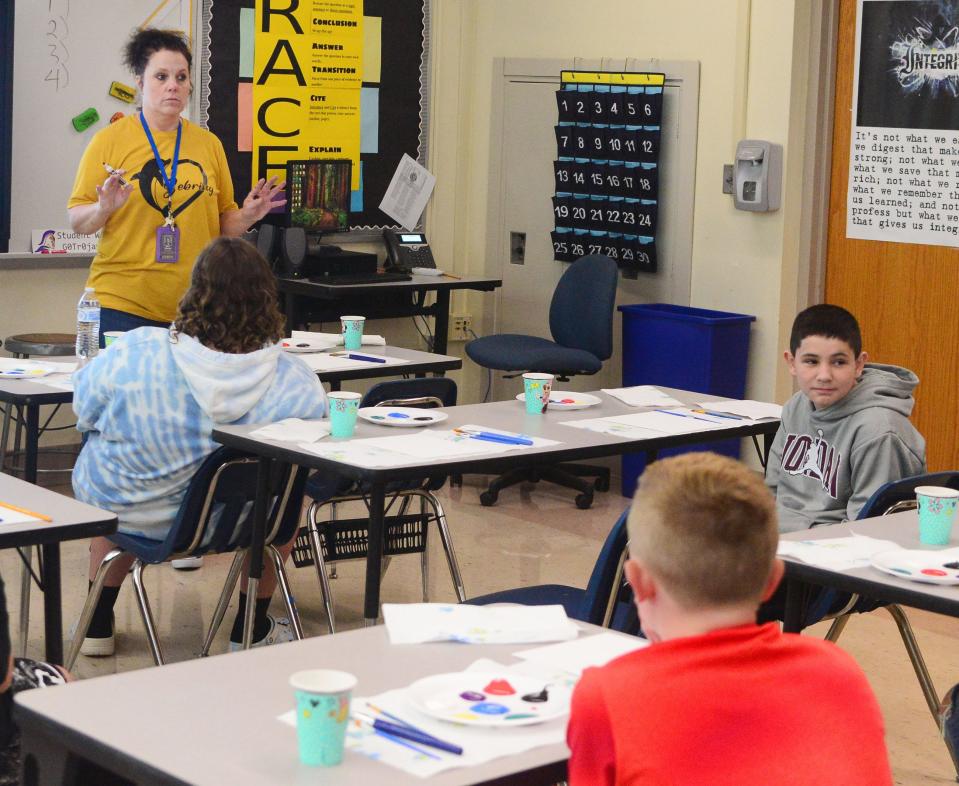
[607, 599]
[333, 539]
[216, 516]
[892, 497]
[581, 323]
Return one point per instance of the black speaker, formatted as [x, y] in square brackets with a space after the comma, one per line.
[292, 251]
[266, 243]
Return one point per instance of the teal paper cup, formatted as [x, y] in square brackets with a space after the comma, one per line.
[343, 408]
[937, 512]
[352, 330]
[322, 714]
[537, 388]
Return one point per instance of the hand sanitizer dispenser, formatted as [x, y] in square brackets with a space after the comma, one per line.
[758, 175]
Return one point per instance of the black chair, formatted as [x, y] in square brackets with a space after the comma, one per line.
[216, 516]
[581, 323]
[332, 540]
[607, 599]
[895, 496]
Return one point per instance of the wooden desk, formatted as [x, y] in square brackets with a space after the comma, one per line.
[72, 520]
[574, 445]
[305, 301]
[901, 528]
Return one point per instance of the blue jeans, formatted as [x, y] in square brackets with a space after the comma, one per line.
[111, 319]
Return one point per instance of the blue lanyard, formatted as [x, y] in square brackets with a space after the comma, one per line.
[168, 182]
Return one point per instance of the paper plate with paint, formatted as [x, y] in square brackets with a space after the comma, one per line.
[302, 345]
[928, 567]
[566, 399]
[476, 698]
[25, 369]
[402, 417]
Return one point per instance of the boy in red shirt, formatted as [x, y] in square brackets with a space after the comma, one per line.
[715, 698]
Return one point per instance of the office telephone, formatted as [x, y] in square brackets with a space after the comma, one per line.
[406, 250]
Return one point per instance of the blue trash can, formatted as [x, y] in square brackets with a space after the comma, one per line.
[683, 347]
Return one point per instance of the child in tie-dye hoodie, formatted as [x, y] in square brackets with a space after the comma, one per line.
[149, 403]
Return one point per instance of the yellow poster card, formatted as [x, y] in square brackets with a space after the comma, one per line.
[306, 88]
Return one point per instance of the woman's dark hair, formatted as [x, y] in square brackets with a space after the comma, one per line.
[231, 305]
[144, 43]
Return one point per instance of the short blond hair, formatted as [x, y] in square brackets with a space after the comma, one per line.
[705, 526]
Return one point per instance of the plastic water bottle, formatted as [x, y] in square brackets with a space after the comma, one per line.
[88, 325]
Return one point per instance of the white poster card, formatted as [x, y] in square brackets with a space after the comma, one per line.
[904, 140]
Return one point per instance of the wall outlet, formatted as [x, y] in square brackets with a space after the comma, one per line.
[461, 326]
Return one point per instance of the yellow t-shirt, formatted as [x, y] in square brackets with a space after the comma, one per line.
[125, 273]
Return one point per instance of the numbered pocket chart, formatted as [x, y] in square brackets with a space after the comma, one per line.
[606, 171]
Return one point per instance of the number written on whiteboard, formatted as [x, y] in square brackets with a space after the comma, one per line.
[56, 34]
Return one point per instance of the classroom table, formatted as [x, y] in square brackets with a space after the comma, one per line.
[31, 395]
[575, 444]
[308, 301]
[72, 520]
[901, 528]
[133, 723]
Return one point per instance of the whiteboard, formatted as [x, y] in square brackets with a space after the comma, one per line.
[66, 54]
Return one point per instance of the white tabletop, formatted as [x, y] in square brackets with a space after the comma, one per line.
[213, 720]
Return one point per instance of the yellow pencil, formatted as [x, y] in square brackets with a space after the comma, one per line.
[25, 511]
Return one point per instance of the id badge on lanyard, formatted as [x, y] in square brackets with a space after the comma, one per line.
[168, 234]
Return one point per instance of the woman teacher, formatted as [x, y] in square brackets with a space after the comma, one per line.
[159, 187]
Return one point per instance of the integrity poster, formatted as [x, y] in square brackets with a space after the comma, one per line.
[904, 146]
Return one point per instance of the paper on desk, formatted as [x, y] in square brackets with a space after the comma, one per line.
[643, 396]
[335, 338]
[11, 516]
[479, 744]
[408, 192]
[754, 410]
[586, 651]
[321, 361]
[415, 623]
[647, 424]
[294, 430]
[846, 553]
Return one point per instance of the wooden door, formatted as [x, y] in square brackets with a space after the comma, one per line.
[904, 295]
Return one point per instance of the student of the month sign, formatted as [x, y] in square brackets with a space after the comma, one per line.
[904, 147]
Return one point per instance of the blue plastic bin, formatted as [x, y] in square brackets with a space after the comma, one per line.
[683, 347]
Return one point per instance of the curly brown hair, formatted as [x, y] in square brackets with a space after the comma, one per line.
[231, 305]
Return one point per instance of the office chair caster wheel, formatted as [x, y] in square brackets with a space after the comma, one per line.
[583, 501]
[488, 498]
[601, 484]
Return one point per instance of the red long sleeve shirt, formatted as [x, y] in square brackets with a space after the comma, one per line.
[745, 705]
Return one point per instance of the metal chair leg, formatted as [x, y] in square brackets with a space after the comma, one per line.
[221, 606]
[143, 602]
[4, 435]
[316, 547]
[25, 581]
[915, 655]
[333, 574]
[284, 584]
[425, 553]
[447, 540]
[837, 627]
[93, 597]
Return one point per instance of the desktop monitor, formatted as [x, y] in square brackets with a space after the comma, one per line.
[318, 195]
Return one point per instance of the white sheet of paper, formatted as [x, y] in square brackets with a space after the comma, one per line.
[586, 651]
[479, 744]
[294, 430]
[846, 553]
[336, 338]
[667, 423]
[408, 192]
[8, 516]
[415, 623]
[321, 361]
[754, 410]
[643, 396]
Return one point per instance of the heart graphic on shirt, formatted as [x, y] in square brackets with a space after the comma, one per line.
[154, 191]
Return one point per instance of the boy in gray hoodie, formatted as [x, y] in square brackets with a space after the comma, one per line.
[846, 432]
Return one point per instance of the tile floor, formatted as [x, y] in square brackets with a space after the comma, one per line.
[526, 538]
